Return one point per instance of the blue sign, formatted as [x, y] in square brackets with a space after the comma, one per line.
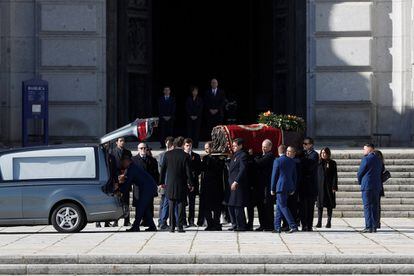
[35, 106]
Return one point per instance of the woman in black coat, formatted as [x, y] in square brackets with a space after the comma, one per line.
[327, 186]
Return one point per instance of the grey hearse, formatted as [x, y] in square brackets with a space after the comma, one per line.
[66, 185]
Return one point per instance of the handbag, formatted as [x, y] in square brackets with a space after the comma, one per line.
[385, 176]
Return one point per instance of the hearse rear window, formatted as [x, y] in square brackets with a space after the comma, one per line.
[62, 163]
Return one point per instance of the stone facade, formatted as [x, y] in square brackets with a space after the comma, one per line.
[359, 69]
[359, 78]
[62, 42]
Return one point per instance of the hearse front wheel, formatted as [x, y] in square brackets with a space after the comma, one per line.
[68, 218]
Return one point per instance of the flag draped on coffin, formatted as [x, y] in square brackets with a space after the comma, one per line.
[253, 135]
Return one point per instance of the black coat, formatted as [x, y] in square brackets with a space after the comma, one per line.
[176, 163]
[141, 180]
[113, 173]
[212, 180]
[238, 173]
[195, 165]
[149, 164]
[194, 107]
[327, 182]
[262, 166]
[167, 107]
[309, 185]
[215, 102]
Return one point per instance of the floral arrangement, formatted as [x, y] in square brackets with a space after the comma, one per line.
[284, 122]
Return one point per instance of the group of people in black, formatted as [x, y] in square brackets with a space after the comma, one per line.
[210, 109]
[230, 187]
[227, 186]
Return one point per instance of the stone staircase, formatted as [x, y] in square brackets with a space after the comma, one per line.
[205, 264]
[399, 190]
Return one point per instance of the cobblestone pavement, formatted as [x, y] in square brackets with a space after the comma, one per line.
[395, 237]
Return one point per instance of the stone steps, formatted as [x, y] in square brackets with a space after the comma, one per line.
[399, 190]
[206, 264]
[391, 168]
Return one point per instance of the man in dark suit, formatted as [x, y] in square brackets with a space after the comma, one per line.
[166, 108]
[238, 197]
[308, 190]
[179, 182]
[212, 187]
[369, 177]
[134, 175]
[284, 183]
[263, 165]
[214, 102]
[118, 152]
[195, 165]
[148, 164]
[194, 109]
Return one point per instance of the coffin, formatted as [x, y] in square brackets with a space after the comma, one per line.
[253, 135]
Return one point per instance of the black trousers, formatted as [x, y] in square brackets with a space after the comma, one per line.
[307, 209]
[166, 129]
[320, 214]
[125, 202]
[193, 130]
[201, 211]
[266, 214]
[250, 217]
[172, 204]
[191, 207]
[237, 217]
[212, 214]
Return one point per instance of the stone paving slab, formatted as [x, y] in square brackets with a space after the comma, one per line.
[395, 237]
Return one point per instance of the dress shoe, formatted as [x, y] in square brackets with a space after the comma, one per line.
[293, 230]
[107, 224]
[318, 225]
[172, 229]
[328, 224]
[115, 224]
[133, 229]
[231, 229]
[374, 230]
[164, 227]
[310, 229]
[127, 223]
[259, 229]
[98, 225]
[277, 231]
[367, 230]
[151, 229]
[190, 225]
[284, 228]
[240, 230]
[181, 230]
[218, 228]
[304, 229]
[209, 228]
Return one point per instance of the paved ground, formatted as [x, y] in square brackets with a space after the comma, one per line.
[396, 237]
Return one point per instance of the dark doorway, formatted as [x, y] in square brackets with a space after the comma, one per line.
[256, 49]
[194, 41]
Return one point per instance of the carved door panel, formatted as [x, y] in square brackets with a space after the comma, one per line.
[289, 56]
[135, 59]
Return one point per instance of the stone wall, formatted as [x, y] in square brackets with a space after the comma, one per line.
[64, 43]
[359, 72]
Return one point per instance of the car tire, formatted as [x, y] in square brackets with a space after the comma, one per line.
[68, 218]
